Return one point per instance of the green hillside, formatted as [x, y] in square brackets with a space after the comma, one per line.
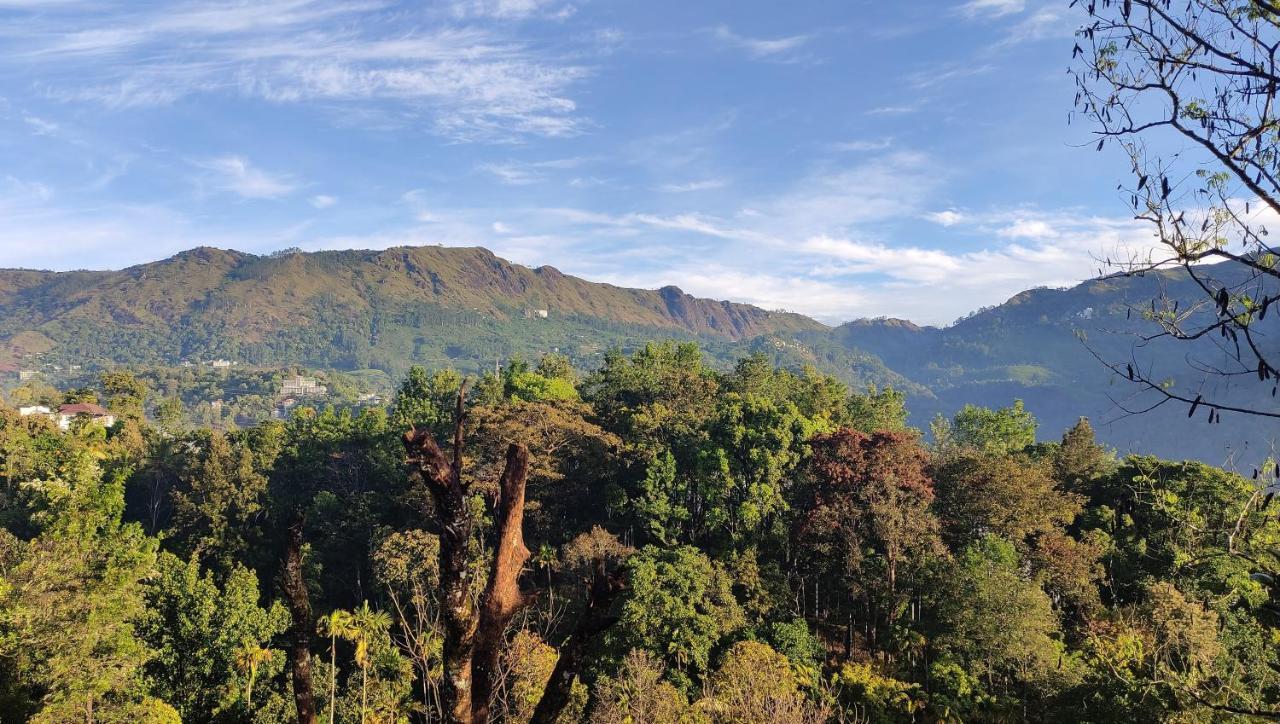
[468, 309]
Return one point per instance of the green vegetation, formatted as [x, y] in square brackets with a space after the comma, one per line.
[782, 549]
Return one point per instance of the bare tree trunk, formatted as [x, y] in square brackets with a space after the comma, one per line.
[502, 597]
[595, 618]
[295, 591]
[463, 699]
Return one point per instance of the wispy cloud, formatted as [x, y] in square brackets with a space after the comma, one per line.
[761, 47]
[511, 9]
[896, 110]
[692, 186]
[322, 201]
[465, 83]
[237, 175]
[992, 8]
[524, 173]
[864, 145]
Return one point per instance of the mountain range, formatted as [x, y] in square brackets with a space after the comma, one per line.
[468, 309]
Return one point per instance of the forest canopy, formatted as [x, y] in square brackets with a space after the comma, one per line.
[755, 545]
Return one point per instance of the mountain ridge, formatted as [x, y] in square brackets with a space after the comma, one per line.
[466, 308]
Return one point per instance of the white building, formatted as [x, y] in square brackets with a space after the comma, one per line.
[302, 387]
[96, 414]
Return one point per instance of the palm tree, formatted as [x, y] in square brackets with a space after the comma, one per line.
[547, 560]
[336, 625]
[366, 624]
[248, 658]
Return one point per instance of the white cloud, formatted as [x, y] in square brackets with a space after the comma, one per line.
[761, 47]
[864, 145]
[691, 186]
[501, 228]
[892, 110]
[520, 173]
[237, 175]
[464, 83]
[992, 8]
[511, 9]
[322, 201]
[1028, 229]
[950, 217]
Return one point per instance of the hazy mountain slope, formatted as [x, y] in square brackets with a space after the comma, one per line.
[1040, 346]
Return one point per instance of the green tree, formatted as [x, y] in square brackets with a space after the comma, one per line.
[679, 607]
[1004, 430]
[73, 599]
[197, 628]
[218, 502]
[1002, 625]
[878, 410]
[336, 625]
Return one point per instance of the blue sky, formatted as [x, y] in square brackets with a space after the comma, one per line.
[841, 159]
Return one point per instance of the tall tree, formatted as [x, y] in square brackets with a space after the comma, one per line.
[866, 520]
[473, 635]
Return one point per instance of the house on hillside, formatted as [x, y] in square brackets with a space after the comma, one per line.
[535, 314]
[299, 386]
[221, 364]
[96, 413]
[34, 410]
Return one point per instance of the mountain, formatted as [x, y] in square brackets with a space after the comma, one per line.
[345, 308]
[1047, 347]
[466, 308]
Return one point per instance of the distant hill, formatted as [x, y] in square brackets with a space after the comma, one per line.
[466, 308]
[348, 309]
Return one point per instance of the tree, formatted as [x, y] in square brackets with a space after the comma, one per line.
[1080, 460]
[425, 400]
[72, 601]
[638, 693]
[196, 626]
[249, 657]
[878, 410]
[217, 501]
[407, 564]
[657, 399]
[367, 626]
[126, 394]
[1187, 91]
[679, 607]
[756, 684]
[1004, 626]
[866, 519]
[1011, 496]
[1007, 429]
[473, 635]
[336, 625]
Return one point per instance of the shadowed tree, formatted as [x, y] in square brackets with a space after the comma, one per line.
[1187, 90]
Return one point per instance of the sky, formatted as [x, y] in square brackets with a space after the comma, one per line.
[842, 159]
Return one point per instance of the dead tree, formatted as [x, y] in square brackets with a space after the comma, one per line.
[473, 637]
